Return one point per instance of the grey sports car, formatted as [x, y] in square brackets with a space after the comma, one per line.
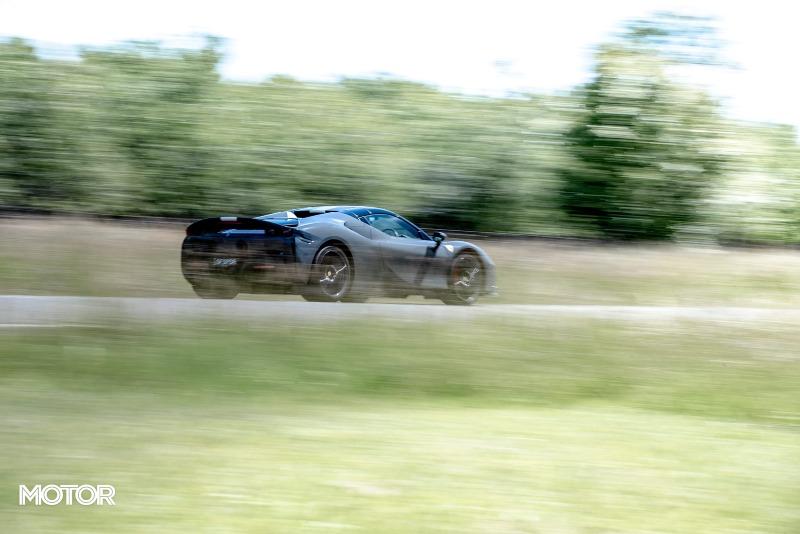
[332, 254]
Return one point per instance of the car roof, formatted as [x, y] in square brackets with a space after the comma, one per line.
[311, 211]
[340, 208]
[350, 210]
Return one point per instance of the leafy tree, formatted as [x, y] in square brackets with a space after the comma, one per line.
[150, 106]
[32, 155]
[644, 151]
[143, 129]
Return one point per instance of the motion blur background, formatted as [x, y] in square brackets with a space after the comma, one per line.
[637, 373]
[653, 145]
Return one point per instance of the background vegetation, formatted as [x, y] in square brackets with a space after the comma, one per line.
[139, 129]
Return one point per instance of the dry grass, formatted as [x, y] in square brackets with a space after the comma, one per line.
[82, 257]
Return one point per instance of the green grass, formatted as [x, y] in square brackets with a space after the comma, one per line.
[513, 426]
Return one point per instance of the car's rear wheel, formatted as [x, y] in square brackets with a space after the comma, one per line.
[331, 276]
[465, 281]
[216, 289]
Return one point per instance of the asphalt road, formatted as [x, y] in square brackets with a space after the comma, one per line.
[18, 311]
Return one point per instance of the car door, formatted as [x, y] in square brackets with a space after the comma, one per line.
[405, 249]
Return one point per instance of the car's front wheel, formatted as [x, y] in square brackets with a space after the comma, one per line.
[465, 282]
[331, 276]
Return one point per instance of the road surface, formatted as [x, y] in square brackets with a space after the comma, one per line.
[51, 311]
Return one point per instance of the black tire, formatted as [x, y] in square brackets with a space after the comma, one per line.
[465, 282]
[331, 276]
[217, 289]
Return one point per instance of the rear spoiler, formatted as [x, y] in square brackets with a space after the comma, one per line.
[215, 225]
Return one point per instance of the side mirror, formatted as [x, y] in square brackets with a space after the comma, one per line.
[438, 237]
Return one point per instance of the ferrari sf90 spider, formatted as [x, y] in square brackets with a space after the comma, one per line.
[332, 254]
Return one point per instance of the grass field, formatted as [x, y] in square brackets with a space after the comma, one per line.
[569, 425]
[591, 426]
[80, 257]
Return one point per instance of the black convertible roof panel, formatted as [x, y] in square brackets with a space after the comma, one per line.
[302, 213]
[349, 210]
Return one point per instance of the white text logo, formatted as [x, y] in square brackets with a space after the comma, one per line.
[69, 494]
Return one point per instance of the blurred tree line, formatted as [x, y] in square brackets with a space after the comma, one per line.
[140, 129]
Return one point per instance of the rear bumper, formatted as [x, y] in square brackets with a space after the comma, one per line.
[250, 261]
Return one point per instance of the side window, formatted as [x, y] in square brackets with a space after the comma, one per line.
[391, 225]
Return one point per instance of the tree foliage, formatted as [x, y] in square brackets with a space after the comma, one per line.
[645, 151]
[139, 129]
